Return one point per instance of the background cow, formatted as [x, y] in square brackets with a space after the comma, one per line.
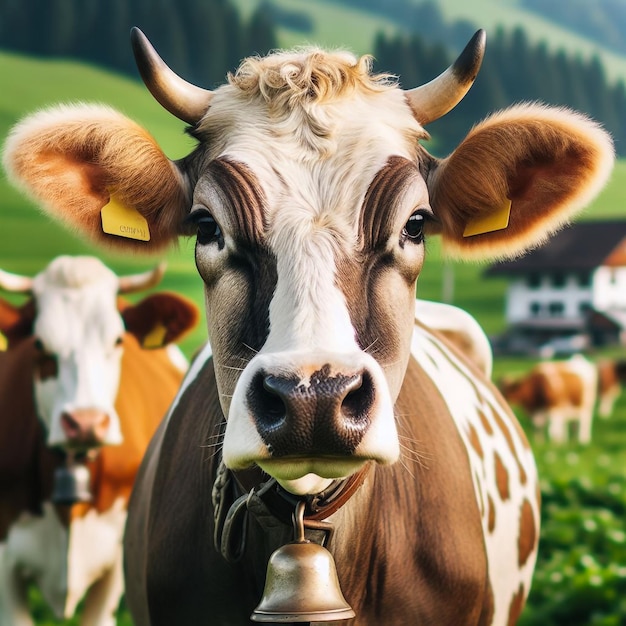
[76, 386]
[611, 381]
[555, 394]
[311, 195]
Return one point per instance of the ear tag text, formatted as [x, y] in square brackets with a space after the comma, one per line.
[498, 220]
[124, 221]
[155, 338]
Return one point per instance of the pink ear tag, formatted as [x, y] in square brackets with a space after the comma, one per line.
[498, 220]
[123, 221]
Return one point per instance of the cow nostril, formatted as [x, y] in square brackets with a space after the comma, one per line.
[267, 398]
[70, 426]
[359, 398]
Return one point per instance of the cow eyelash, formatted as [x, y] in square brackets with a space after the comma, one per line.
[207, 229]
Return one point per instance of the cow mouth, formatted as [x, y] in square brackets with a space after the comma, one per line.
[294, 468]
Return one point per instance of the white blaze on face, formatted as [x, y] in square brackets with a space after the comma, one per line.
[78, 323]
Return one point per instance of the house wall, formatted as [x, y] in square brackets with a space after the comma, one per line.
[547, 299]
[606, 290]
[609, 288]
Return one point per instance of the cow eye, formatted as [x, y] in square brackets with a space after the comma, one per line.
[414, 228]
[119, 341]
[207, 228]
[39, 345]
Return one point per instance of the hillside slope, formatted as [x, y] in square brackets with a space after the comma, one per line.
[335, 24]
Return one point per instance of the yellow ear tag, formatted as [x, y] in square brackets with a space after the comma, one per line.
[498, 220]
[124, 221]
[4, 343]
[155, 338]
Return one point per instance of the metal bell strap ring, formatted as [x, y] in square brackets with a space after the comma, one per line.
[301, 584]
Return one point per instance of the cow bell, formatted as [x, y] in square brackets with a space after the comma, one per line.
[71, 485]
[301, 584]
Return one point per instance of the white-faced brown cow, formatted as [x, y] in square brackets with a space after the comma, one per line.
[555, 394]
[75, 382]
[311, 195]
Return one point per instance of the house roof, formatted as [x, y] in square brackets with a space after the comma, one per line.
[582, 246]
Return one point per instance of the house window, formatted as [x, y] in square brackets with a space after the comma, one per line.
[558, 280]
[533, 280]
[584, 279]
[535, 309]
[556, 309]
[584, 308]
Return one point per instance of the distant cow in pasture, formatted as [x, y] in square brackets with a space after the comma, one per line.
[555, 394]
[311, 195]
[611, 382]
[77, 386]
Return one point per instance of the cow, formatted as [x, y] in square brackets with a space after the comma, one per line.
[555, 393]
[84, 382]
[310, 195]
[611, 380]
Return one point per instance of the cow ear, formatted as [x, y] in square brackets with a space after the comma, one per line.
[16, 323]
[76, 160]
[518, 177]
[160, 319]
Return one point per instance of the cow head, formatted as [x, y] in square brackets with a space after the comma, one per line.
[78, 333]
[311, 197]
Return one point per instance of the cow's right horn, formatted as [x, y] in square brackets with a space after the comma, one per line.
[182, 99]
[15, 283]
[143, 281]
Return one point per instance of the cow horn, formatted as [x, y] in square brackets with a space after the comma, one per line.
[434, 99]
[143, 281]
[182, 99]
[15, 283]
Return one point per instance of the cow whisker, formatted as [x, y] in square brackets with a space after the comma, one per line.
[231, 367]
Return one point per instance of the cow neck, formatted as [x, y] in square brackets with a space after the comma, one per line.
[237, 495]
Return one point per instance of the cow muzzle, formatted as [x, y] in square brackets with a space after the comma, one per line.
[325, 416]
[85, 428]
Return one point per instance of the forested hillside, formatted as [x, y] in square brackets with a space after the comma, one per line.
[513, 70]
[203, 39]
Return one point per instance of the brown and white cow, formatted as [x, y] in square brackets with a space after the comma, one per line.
[611, 382]
[311, 196]
[76, 379]
[555, 393]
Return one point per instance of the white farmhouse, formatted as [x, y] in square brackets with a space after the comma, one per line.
[574, 286]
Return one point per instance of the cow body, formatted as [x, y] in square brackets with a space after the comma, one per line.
[611, 380]
[311, 196]
[556, 393]
[71, 551]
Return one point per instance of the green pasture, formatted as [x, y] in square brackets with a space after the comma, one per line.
[581, 578]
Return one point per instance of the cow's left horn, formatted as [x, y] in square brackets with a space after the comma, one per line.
[140, 282]
[182, 99]
[434, 99]
[15, 283]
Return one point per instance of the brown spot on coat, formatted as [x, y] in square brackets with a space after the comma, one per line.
[485, 422]
[527, 533]
[516, 606]
[502, 477]
[475, 441]
[491, 514]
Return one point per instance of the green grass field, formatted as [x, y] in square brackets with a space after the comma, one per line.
[28, 241]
